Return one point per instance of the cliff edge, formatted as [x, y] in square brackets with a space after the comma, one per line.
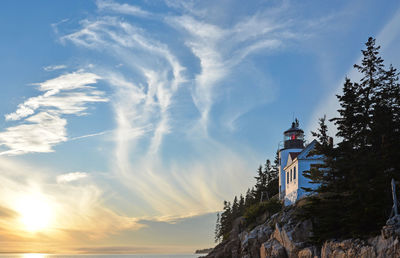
[283, 235]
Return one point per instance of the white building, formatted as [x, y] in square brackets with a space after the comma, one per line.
[294, 159]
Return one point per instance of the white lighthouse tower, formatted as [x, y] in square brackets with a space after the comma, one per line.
[293, 144]
[294, 159]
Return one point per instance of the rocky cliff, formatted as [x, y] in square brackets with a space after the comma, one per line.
[281, 235]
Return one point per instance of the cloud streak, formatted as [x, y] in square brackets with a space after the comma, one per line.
[147, 86]
[43, 125]
[73, 176]
[128, 9]
[54, 67]
[220, 49]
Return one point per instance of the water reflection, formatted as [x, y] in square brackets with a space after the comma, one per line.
[34, 256]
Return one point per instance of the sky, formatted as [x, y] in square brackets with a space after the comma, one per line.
[124, 125]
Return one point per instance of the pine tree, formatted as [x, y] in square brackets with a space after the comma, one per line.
[271, 174]
[372, 69]
[235, 208]
[226, 221]
[267, 171]
[322, 174]
[275, 167]
[217, 234]
[261, 184]
[390, 98]
[241, 205]
[349, 122]
[354, 182]
[249, 198]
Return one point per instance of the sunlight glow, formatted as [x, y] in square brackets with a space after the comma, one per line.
[35, 213]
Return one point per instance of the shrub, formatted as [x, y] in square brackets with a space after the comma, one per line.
[270, 207]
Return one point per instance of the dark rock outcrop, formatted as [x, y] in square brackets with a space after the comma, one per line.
[281, 235]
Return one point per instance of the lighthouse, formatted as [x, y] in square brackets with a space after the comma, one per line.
[294, 159]
[293, 144]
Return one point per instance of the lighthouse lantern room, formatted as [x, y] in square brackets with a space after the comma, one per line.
[294, 137]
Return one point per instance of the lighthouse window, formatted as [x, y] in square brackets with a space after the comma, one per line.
[294, 173]
[290, 175]
[287, 176]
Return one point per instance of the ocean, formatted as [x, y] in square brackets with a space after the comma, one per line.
[101, 256]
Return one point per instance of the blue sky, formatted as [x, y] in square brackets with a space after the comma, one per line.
[146, 115]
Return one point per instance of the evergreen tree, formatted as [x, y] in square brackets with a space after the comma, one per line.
[247, 199]
[261, 184]
[235, 208]
[271, 175]
[354, 196]
[389, 97]
[275, 167]
[266, 181]
[349, 122]
[217, 235]
[318, 173]
[327, 208]
[267, 171]
[372, 69]
[241, 205]
[225, 221]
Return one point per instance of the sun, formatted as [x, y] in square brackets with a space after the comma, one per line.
[35, 213]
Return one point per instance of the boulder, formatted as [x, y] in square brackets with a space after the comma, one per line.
[347, 248]
[293, 236]
[272, 249]
[250, 242]
[309, 252]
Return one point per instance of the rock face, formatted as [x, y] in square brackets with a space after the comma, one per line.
[282, 236]
[290, 239]
[385, 245]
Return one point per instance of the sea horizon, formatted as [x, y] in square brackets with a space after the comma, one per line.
[45, 255]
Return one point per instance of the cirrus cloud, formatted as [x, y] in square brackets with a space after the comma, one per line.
[43, 124]
[73, 176]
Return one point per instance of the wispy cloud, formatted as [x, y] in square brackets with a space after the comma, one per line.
[89, 135]
[151, 94]
[111, 6]
[221, 49]
[73, 176]
[39, 133]
[43, 125]
[54, 67]
[59, 97]
[144, 98]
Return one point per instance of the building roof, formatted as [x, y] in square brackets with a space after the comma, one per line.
[293, 156]
[304, 153]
